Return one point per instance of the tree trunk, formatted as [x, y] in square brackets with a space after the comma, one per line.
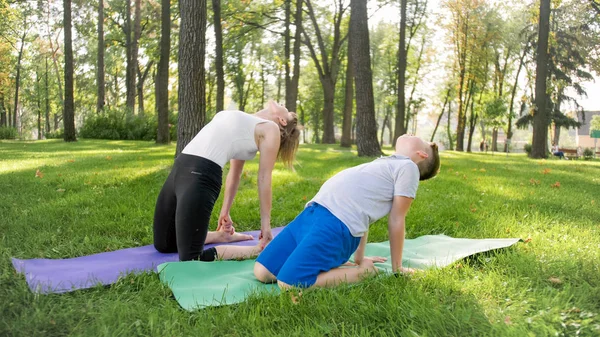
[47, 98]
[346, 140]
[472, 125]
[328, 106]
[385, 121]
[162, 74]
[100, 65]
[437, 124]
[3, 121]
[540, 116]
[140, 87]
[286, 49]
[192, 44]
[495, 139]
[38, 98]
[69, 107]
[18, 78]
[292, 92]
[131, 65]
[513, 93]
[402, 53]
[448, 127]
[366, 126]
[216, 5]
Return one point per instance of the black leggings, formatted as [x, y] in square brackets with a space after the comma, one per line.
[184, 206]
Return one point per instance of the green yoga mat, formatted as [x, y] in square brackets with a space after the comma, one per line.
[197, 285]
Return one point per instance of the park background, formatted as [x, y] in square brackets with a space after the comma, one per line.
[157, 71]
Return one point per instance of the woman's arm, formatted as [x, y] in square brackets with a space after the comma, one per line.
[231, 186]
[360, 251]
[268, 147]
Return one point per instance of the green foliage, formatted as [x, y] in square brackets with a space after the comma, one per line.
[7, 132]
[112, 125]
[58, 134]
[595, 123]
[527, 148]
[588, 153]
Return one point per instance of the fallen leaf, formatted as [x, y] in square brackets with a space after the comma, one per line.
[71, 160]
[507, 230]
[304, 198]
[39, 174]
[296, 299]
[593, 202]
[482, 170]
[555, 280]
[528, 240]
[60, 190]
[507, 320]
[108, 158]
[534, 182]
[555, 185]
[546, 171]
[473, 209]
[53, 322]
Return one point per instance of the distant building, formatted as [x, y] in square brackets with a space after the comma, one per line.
[583, 132]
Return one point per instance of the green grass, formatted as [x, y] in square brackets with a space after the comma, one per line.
[98, 196]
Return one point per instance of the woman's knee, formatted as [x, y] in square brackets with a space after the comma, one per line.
[263, 274]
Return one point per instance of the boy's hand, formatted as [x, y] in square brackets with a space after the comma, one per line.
[408, 271]
[376, 259]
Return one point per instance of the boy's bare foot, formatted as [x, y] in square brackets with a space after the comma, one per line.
[368, 266]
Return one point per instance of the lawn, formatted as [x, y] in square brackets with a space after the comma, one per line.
[62, 200]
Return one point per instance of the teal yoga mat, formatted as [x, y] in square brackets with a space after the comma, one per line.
[197, 285]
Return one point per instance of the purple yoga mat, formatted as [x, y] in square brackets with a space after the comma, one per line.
[63, 275]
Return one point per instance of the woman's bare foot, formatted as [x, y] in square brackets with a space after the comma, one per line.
[236, 237]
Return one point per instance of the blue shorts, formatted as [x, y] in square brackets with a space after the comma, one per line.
[314, 242]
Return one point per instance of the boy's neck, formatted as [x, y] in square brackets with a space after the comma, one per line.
[411, 154]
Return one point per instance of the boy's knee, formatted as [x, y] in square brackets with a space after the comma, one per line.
[263, 274]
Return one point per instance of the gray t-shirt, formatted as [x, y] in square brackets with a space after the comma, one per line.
[363, 194]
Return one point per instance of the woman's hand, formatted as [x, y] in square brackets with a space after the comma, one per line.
[265, 237]
[225, 224]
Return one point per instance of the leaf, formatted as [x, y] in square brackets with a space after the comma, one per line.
[60, 190]
[554, 280]
[108, 158]
[546, 171]
[304, 198]
[528, 240]
[71, 160]
[555, 185]
[39, 174]
[507, 320]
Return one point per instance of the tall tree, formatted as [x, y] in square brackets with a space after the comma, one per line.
[540, 115]
[100, 62]
[400, 128]
[216, 5]
[327, 60]
[162, 75]
[26, 27]
[130, 49]
[366, 126]
[69, 105]
[346, 140]
[291, 87]
[192, 44]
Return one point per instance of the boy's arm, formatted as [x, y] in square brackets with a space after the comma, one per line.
[396, 229]
[360, 251]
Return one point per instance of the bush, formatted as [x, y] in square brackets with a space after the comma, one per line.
[114, 126]
[58, 134]
[527, 148]
[588, 153]
[6, 132]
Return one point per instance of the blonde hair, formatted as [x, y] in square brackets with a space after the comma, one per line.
[288, 144]
[430, 167]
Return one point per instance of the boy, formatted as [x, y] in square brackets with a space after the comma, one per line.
[335, 223]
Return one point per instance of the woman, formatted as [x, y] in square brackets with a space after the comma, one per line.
[188, 196]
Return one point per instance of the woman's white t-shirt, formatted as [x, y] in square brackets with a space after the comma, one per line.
[229, 135]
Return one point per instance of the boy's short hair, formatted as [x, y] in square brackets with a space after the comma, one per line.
[430, 167]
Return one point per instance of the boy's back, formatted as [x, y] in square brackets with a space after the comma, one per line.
[363, 194]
